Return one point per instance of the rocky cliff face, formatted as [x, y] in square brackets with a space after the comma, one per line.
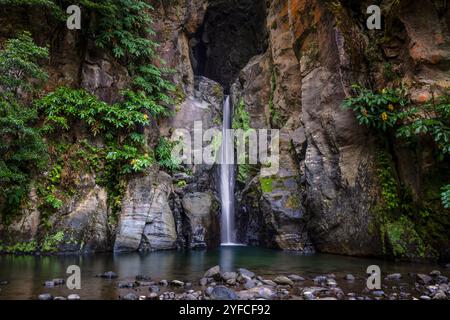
[317, 50]
[289, 64]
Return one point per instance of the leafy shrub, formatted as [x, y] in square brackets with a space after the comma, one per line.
[19, 63]
[22, 151]
[120, 126]
[446, 196]
[50, 242]
[181, 184]
[164, 155]
[241, 117]
[122, 26]
[391, 108]
[433, 120]
[379, 110]
[66, 105]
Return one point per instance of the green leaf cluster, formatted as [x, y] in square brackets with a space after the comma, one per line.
[164, 155]
[391, 109]
[379, 110]
[22, 151]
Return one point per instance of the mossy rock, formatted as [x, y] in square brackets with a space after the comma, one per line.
[405, 242]
[266, 184]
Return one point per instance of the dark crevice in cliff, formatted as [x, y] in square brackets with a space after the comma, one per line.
[232, 33]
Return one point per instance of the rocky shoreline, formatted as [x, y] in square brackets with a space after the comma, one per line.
[244, 284]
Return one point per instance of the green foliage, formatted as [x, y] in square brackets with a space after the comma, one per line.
[379, 110]
[20, 247]
[276, 118]
[122, 26]
[404, 240]
[390, 108]
[164, 155]
[50, 242]
[433, 120]
[22, 151]
[388, 183]
[18, 63]
[391, 215]
[63, 106]
[445, 196]
[119, 124]
[49, 5]
[241, 118]
[266, 184]
[181, 184]
[244, 171]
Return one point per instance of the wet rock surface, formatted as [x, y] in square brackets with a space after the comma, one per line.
[246, 285]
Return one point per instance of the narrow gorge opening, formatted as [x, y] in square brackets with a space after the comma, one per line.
[233, 31]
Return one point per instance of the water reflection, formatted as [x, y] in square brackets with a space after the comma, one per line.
[26, 274]
[227, 255]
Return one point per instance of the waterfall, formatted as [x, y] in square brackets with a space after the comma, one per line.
[228, 236]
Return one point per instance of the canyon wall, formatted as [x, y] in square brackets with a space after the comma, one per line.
[289, 64]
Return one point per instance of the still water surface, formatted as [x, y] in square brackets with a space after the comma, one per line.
[26, 274]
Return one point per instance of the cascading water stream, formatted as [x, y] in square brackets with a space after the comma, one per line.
[228, 236]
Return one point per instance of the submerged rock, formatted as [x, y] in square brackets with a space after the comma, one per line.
[154, 289]
[440, 295]
[296, 278]
[246, 273]
[163, 283]
[203, 282]
[212, 272]
[283, 280]
[394, 276]
[331, 283]
[144, 283]
[229, 275]
[130, 296]
[423, 279]
[308, 295]
[349, 277]
[45, 296]
[269, 283]
[59, 298]
[378, 293]
[223, 293]
[108, 275]
[320, 279]
[143, 278]
[435, 273]
[59, 282]
[123, 285]
[249, 284]
[177, 283]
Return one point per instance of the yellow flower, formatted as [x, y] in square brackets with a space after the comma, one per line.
[384, 116]
[146, 155]
[391, 107]
[133, 162]
[145, 117]
[384, 91]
